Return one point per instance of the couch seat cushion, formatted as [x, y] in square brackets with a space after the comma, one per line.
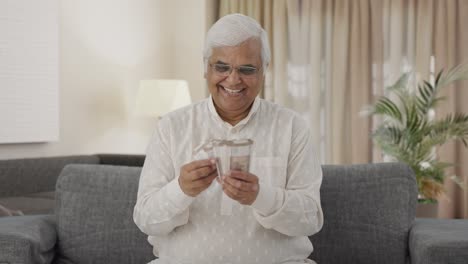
[35, 203]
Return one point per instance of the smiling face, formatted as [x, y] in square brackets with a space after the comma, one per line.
[234, 93]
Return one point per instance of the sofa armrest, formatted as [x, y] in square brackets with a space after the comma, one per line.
[27, 239]
[439, 241]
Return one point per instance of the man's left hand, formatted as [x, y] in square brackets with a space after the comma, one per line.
[241, 186]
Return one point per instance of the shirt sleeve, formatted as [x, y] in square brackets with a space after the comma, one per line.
[161, 204]
[296, 209]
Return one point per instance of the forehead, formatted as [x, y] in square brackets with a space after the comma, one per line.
[248, 52]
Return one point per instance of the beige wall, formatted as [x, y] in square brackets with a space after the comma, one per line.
[106, 47]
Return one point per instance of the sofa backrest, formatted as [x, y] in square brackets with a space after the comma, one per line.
[133, 160]
[94, 209]
[34, 175]
[368, 212]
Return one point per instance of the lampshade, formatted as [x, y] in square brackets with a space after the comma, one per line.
[158, 97]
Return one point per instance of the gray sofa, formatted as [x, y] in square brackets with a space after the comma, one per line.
[27, 186]
[369, 218]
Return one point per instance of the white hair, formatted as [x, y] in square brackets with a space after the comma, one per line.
[232, 30]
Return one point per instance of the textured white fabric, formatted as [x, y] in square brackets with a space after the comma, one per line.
[273, 229]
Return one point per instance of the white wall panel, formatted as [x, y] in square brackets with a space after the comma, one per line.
[29, 48]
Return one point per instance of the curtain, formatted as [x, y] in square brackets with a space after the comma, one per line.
[332, 57]
[450, 48]
[315, 44]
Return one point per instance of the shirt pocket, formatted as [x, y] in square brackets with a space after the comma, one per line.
[270, 170]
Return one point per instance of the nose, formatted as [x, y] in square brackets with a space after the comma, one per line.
[233, 77]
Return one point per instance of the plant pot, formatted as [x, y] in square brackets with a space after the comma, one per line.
[427, 210]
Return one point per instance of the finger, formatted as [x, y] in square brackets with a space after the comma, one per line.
[241, 197]
[204, 182]
[199, 164]
[243, 176]
[201, 173]
[213, 174]
[240, 184]
[231, 192]
[247, 189]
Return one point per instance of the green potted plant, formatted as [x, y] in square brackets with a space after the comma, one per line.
[410, 133]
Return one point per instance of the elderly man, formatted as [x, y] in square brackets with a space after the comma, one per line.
[263, 215]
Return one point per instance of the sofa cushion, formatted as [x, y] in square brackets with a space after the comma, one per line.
[35, 203]
[27, 239]
[438, 241]
[95, 215]
[33, 175]
[368, 212]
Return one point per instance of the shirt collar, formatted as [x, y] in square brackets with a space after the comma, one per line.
[244, 121]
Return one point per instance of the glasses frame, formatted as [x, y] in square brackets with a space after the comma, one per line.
[238, 70]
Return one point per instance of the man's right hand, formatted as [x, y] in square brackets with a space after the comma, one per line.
[196, 176]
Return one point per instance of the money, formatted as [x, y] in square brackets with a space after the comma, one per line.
[240, 163]
[229, 154]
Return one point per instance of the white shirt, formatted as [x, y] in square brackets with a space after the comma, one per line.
[274, 229]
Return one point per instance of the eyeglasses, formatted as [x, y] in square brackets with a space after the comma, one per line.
[225, 70]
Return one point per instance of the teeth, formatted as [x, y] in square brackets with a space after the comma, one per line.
[232, 91]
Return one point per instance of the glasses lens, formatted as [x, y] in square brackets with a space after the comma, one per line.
[247, 70]
[222, 68]
[225, 70]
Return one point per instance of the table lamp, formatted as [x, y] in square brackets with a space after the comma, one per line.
[158, 97]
